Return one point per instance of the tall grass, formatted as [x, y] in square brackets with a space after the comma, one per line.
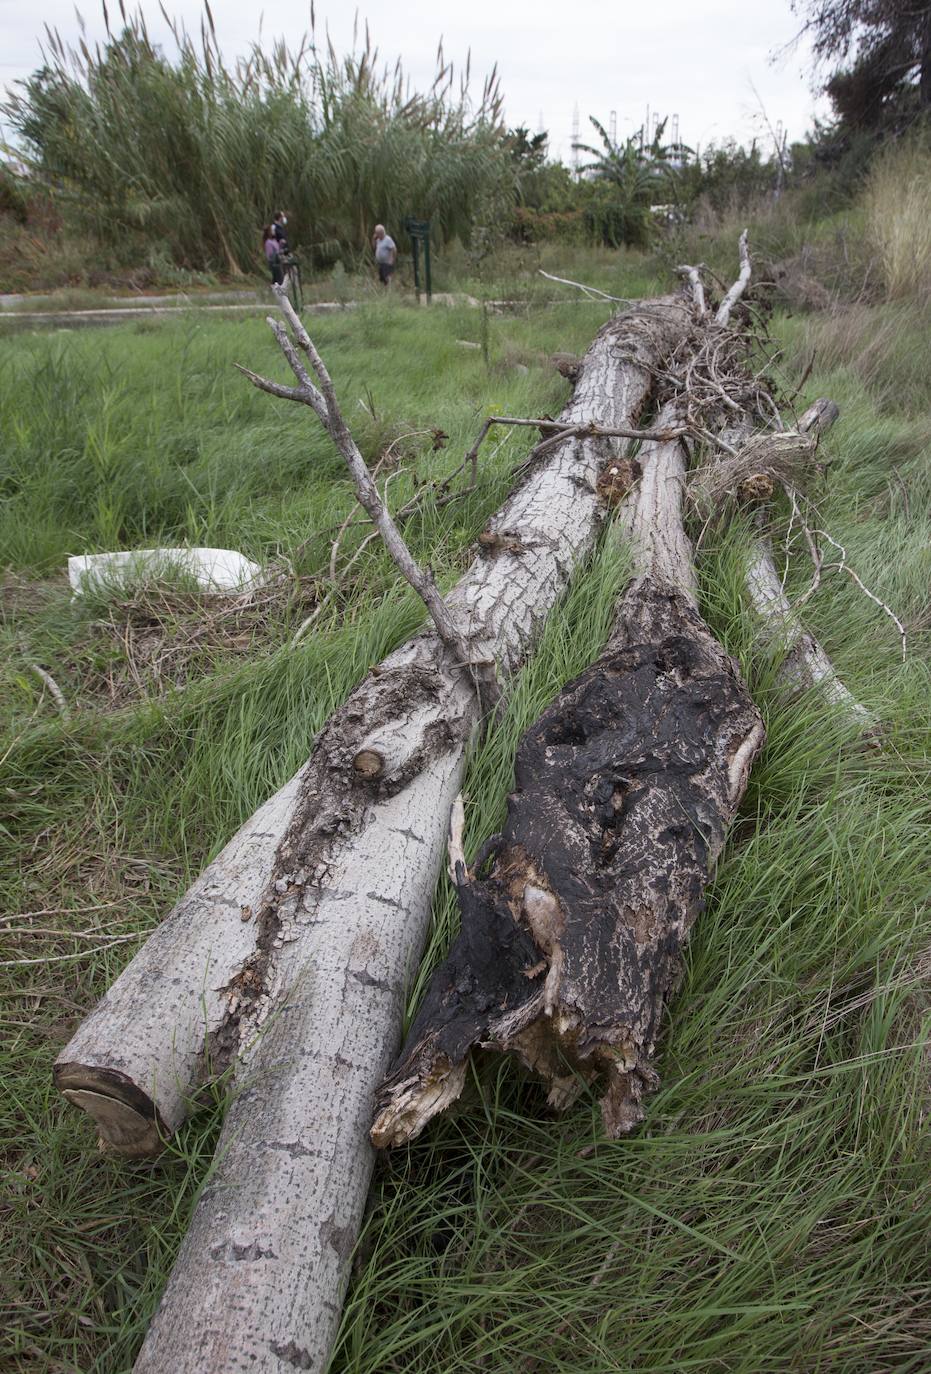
[773, 1213]
[197, 155]
[897, 200]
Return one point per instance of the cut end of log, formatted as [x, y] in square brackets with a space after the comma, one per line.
[126, 1118]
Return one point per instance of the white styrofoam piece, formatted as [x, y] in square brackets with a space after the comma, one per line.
[214, 570]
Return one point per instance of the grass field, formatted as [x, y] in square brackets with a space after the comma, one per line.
[773, 1213]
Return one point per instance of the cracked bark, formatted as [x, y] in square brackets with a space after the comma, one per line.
[313, 1016]
[624, 788]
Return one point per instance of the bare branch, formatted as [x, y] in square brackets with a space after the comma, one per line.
[57, 694]
[304, 626]
[286, 393]
[591, 291]
[297, 367]
[326, 406]
[693, 278]
[740, 285]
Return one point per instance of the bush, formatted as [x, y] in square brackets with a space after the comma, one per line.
[539, 226]
[186, 151]
[12, 196]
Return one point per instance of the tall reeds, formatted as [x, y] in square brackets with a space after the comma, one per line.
[197, 154]
[897, 201]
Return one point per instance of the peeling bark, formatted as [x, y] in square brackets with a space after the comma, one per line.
[265, 1262]
[624, 789]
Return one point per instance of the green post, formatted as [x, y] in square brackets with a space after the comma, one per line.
[419, 230]
[426, 262]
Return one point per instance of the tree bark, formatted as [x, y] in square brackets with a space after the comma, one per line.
[805, 664]
[624, 789]
[316, 1013]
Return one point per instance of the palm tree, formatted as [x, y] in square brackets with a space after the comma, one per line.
[627, 179]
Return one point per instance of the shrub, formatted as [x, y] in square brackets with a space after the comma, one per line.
[538, 226]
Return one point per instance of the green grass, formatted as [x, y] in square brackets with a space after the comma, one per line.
[773, 1211]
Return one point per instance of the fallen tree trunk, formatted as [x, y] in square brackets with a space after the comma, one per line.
[260, 1276]
[624, 789]
[201, 984]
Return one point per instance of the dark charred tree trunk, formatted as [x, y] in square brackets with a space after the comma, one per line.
[624, 789]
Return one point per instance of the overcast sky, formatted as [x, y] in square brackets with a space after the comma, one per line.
[699, 59]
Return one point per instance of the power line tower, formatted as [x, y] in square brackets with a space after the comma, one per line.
[575, 141]
[612, 128]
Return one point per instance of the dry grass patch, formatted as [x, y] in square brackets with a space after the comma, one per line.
[897, 202]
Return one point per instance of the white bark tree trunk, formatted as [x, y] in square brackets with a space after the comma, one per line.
[315, 1008]
[651, 516]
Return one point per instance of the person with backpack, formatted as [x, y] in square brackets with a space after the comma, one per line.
[272, 246]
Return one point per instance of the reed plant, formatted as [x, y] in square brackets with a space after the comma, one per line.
[897, 200]
[196, 154]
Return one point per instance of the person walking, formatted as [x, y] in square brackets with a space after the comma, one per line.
[272, 245]
[386, 254]
[279, 230]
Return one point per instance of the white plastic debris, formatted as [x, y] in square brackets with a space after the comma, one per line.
[218, 571]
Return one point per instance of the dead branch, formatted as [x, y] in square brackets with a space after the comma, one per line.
[740, 285]
[692, 276]
[57, 694]
[322, 400]
[592, 291]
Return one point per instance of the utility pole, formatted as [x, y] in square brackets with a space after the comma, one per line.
[612, 128]
[575, 141]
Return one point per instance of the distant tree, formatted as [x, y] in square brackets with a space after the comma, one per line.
[528, 150]
[883, 51]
